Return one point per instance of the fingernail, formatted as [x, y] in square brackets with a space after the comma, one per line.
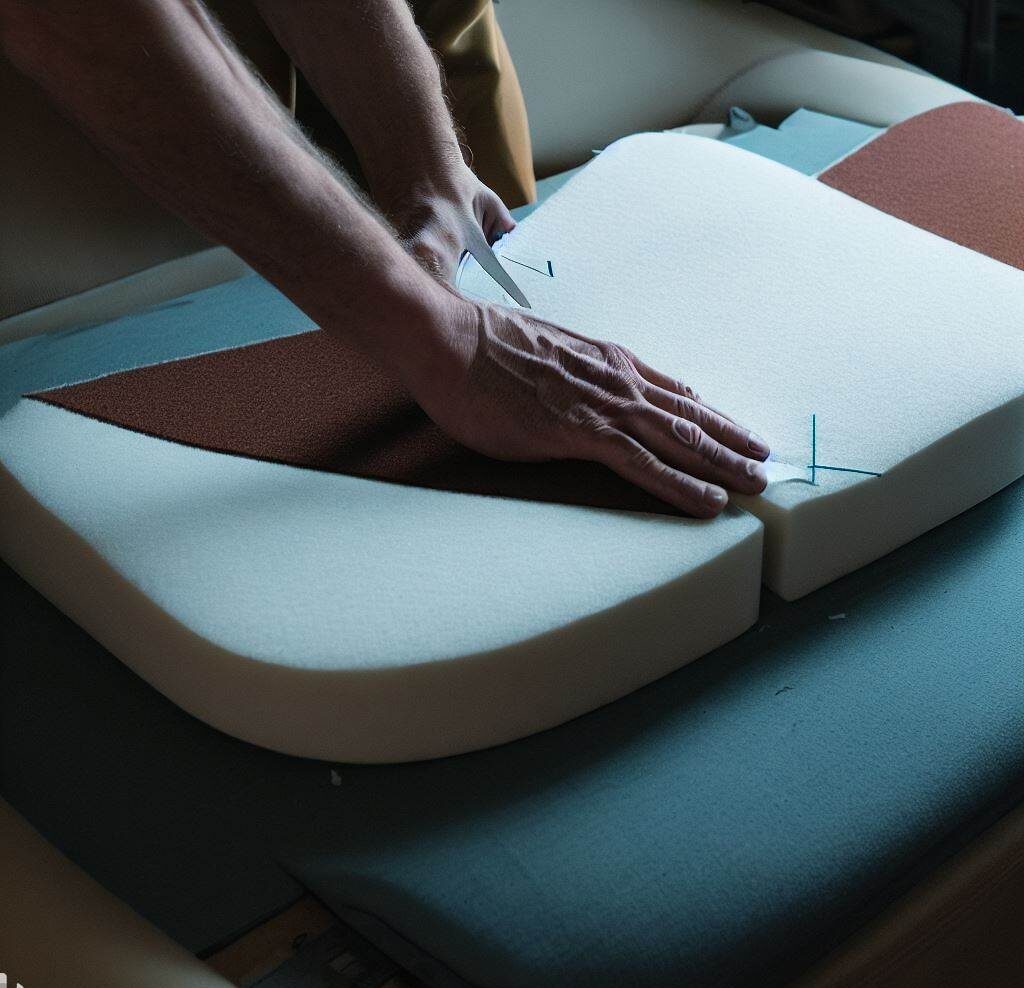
[715, 497]
[689, 432]
[756, 471]
[757, 445]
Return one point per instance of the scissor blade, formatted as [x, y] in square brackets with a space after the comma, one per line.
[485, 257]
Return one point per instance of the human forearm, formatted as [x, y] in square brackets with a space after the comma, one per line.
[369, 64]
[173, 104]
[182, 115]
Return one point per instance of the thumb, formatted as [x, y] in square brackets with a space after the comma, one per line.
[495, 220]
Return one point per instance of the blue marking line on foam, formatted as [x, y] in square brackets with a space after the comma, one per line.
[814, 466]
[814, 449]
[868, 473]
[550, 273]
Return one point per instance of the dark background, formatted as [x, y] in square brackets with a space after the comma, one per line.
[978, 44]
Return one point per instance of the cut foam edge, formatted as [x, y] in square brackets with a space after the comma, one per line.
[903, 287]
[801, 539]
[305, 690]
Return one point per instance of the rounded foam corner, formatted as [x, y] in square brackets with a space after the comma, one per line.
[650, 595]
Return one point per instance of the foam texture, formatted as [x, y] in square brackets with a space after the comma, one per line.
[350, 619]
[777, 297]
[956, 170]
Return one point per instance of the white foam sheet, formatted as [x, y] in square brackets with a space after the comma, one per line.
[777, 298]
[355, 620]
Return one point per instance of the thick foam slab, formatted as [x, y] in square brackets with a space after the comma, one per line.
[350, 619]
[778, 299]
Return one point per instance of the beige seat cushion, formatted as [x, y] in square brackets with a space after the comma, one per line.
[842, 86]
[58, 927]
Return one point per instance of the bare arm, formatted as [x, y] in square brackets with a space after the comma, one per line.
[175, 106]
[369, 64]
[157, 88]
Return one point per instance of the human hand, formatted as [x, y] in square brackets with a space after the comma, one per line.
[431, 218]
[516, 387]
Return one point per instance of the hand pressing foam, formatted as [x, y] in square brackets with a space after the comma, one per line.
[338, 587]
[780, 299]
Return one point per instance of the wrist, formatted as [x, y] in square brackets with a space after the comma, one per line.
[433, 340]
[398, 188]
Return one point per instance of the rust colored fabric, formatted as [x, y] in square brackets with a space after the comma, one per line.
[311, 401]
[957, 171]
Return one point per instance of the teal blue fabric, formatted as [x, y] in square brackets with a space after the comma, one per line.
[724, 826]
[247, 310]
[806, 141]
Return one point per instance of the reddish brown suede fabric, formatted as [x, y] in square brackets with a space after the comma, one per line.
[311, 401]
[957, 171]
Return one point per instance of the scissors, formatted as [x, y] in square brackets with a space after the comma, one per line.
[477, 245]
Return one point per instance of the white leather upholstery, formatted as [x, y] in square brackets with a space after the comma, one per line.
[596, 70]
[830, 83]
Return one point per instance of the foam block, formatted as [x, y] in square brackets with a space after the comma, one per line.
[777, 297]
[340, 617]
[310, 400]
[956, 170]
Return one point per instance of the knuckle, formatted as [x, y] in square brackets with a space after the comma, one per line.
[689, 432]
[618, 358]
[607, 435]
[644, 460]
[609, 411]
[682, 391]
[659, 475]
[620, 391]
[710, 450]
[614, 441]
[685, 408]
[698, 413]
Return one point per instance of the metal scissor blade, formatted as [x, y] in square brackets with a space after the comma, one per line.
[477, 245]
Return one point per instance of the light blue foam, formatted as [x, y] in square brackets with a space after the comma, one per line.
[238, 312]
[806, 141]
